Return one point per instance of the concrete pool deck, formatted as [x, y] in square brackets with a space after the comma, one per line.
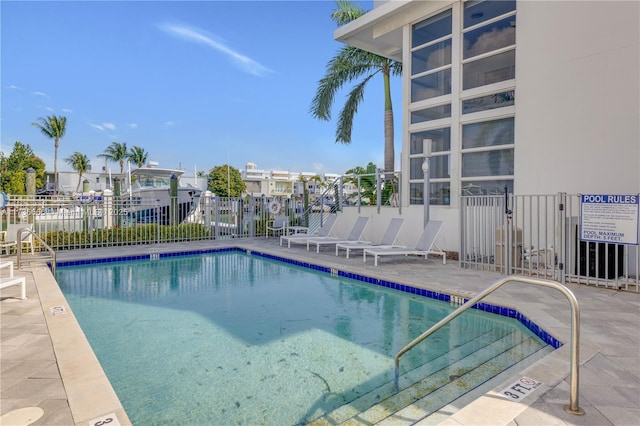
[46, 362]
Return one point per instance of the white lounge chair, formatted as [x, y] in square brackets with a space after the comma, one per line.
[11, 280]
[324, 231]
[10, 237]
[426, 245]
[354, 235]
[280, 224]
[389, 239]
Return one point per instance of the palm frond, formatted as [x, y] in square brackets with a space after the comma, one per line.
[346, 12]
[345, 121]
[349, 64]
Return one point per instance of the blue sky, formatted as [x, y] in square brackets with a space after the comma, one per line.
[196, 84]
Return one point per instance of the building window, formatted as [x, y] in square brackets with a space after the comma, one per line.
[431, 57]
[488, 102]
[463, 77]
[429, 114]
[489, 38]
[439, 166]
[487, 153]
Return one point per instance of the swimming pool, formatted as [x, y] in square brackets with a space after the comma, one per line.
[230, 338]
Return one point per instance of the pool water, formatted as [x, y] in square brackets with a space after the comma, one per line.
[229, 338]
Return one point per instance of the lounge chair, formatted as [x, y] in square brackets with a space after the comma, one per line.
[11, 239]
[11, 280]
[389, 239]
[425, 246]
[324, 231]
[354, 235]
[280, 225]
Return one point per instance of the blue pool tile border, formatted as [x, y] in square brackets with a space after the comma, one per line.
[444, 297]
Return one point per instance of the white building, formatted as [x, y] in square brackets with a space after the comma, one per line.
[538, 96]
[283, 183]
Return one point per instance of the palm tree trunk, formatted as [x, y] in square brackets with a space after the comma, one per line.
[389, 160]
[55, 167]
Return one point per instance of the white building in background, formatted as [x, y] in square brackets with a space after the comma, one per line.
[283, 183]
[538, 96]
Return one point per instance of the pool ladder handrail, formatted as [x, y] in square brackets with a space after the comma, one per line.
[573, 407]
[37, 237]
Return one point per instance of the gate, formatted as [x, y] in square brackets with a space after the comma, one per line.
[539, 235]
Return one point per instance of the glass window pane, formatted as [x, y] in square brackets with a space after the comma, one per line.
[488, 133]
[440, 194]
[480, 11]
[431, 29]
[487, 187]
[487, 163]
[415, 168]
[440, 140]
[435, 113]
[489, 70]
[416, 191]
[431, 86]
[431, 57]
[483, 103]
[439, 167]
[490, 37]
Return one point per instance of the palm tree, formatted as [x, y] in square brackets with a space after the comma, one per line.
[54, 128]
[138, 156]
[117, 153]
[80, 163]
[350, 64]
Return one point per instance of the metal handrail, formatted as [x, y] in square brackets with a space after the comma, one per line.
[37, 237]
[573, 407]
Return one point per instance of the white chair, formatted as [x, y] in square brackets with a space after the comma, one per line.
[11, 280]
[10, 237]
[354, 235]
[426, 245]
[389, 239]
[280, 224]
[324, 231]
[5, 244]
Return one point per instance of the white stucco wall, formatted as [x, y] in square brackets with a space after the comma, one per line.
[577, 97]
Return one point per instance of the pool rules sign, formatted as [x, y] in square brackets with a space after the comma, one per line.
[609, 218]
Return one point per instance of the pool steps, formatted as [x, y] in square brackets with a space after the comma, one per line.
[437, 383]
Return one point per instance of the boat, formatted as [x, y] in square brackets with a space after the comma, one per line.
[148, 198]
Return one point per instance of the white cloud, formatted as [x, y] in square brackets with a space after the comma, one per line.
[14, 87]
[196, 35]
[133, 125]
[67, 110]
[44, 95]
[103, 126]
[170, 123]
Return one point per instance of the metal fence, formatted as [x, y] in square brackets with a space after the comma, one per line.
[539, 235]
[87, 222]
[90, 220]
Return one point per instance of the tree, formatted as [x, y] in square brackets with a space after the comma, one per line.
[138, 156]
[226, 181]
[116, 153]
[80, 163]
[54, 128]
[348, 65]
[13, 169]
[365, 179]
